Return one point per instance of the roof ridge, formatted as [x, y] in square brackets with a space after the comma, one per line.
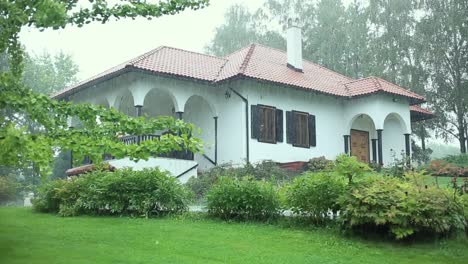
[194, 52]
[376, 82]
[237, 51]
[246, 60]
[143, 56]
[393, 84]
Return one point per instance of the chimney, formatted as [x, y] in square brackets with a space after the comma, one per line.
[294, 44]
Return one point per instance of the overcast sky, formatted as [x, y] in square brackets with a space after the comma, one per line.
[97, 47]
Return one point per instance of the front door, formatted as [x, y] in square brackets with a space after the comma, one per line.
[360, 145]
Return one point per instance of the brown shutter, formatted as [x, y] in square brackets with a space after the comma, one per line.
[290, 128]
[279, 125]
[255, 121]
[312, 131]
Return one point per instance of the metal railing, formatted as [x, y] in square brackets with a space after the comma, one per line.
[177, 154]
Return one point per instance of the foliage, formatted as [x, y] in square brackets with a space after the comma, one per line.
[319, 164]
[419, 155]
[444, 168]
[8, 189]
[400, 207]
[19, 147]
[315, 194]
[264, 170]
[464, 202]
[460, 160]
[47, 74]
[243, 199]
[123, 192]
[350, 167]
[398, 167]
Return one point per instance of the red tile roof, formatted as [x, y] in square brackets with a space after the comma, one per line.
[254, 61]
[419, 109]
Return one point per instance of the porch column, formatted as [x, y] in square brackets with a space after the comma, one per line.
[71, 151]
[407, 149]
[138, 109]
[379, 141]
[179, 115]
[216, 139]
[346, 143]
[374, 150]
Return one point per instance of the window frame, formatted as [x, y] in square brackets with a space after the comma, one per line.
[262, 120]
[307, 132]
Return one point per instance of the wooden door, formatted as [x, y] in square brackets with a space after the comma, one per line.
[360, 145]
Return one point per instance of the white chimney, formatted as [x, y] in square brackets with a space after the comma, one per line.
[294, 44]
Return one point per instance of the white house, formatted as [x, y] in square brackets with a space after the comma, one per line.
[258, 103]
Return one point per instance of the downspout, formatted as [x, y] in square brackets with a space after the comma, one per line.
[246, 102]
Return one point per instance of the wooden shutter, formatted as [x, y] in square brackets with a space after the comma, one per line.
[290, 128]
[279, 125]
[255, 121]
[312, 131]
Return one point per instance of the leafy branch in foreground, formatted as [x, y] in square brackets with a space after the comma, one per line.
[19, 146]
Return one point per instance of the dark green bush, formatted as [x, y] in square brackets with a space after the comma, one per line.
[315, 194]
[458, 160]
[265, 170]
[123, 192]
[319, 164]
[399, 207]
[8, 189]
[243, 199]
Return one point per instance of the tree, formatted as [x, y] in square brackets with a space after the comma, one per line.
[444, 29]
[241, 28]
[47, 74]
[19, 147]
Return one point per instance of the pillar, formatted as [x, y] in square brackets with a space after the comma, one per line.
[379, 142]
[374, 150]
[216, 139]
[407, 148]
[346, 143]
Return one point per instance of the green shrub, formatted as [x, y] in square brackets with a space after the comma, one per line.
[458, 160]
[140, 193]
[48, 197]
[350, 167]
[265, 170]
[400, 207]
[8, 189]
[319, 164]
[243, 199]
[464, 202]
[315, 194]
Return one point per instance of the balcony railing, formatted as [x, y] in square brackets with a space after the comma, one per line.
[178, 154]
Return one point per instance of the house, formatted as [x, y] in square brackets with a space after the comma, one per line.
[258, 103]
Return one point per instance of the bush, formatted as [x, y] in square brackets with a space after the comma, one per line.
[243, 199]
[458, 160]
[123, 192]
[48, 198]
[399, 207]
[314, 194]
[350, 167]
[265, 170]
[8, 189]
[320, 164]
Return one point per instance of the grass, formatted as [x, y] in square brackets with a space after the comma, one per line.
[28, 237]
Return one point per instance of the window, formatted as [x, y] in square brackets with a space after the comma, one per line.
[300, 129]
[266, 123]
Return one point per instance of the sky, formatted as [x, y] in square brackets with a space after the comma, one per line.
[97, 47]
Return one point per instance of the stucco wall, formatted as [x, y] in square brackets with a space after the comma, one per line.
[200, 102]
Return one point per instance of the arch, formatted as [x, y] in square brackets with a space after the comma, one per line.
[393, 138]
[358, 119]
[159, 102]
[204, 100]
[361, 126]
[199, 112]
[125, 104]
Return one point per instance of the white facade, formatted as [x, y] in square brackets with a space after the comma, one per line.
[202, 103]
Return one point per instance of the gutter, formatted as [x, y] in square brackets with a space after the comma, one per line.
[247, 139]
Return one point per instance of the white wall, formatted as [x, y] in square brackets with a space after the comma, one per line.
[334, 116]
[174, 166]
[327, 111]
[393, 140]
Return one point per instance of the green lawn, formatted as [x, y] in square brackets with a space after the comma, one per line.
[28, 237]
